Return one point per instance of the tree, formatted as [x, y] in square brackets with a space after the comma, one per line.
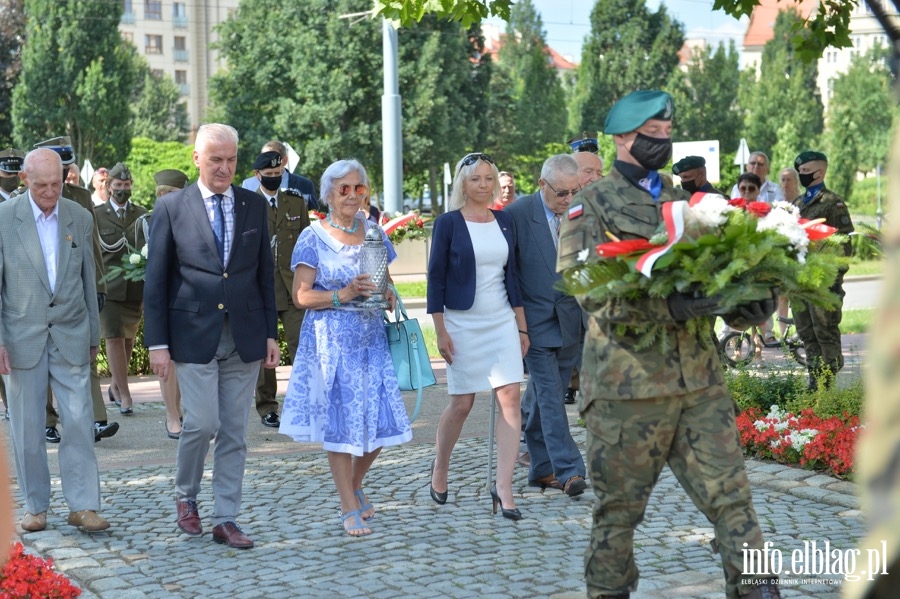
[148, 157]
[12, 37]
[706, 105]
[786, 92]
[408, 12]
[76, 79]
[536, 115]
[861, 113]
[157, 109]
[628, 48]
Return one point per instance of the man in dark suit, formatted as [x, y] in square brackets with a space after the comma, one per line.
[209, 307]
[296, 184]
[288, 216]
[49, 333]
[555, 328]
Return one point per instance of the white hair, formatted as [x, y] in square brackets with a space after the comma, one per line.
[339, 170]
[217, 133]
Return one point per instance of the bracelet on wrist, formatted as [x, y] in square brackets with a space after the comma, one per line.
[334, 299]
[523, 332]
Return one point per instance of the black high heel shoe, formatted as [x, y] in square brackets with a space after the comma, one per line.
[439, 498]
[513, 514]
[112, 398]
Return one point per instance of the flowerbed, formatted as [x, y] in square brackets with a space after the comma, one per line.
[814, 442]
[27, 577]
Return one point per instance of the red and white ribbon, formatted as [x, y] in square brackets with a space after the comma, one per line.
[673, 217]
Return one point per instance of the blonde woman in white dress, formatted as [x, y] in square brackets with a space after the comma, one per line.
[474, 300]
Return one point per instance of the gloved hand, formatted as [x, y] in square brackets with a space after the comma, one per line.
[685, 306]
[101, 301]
[752, 313]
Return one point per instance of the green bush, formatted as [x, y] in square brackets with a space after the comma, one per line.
[834, 401]
[751, 389]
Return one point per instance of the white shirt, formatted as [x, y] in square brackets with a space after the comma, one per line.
[48, 233]
[768, 193]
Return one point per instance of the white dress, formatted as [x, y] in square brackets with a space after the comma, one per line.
[486, 348]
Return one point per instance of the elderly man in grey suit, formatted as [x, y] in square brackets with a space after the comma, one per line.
[555, 328]
[209, 308]
[49, 333]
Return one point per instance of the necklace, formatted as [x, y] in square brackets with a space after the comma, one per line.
[350, 230]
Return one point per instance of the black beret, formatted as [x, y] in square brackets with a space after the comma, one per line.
[809, 156]
[687, 163]
[267, 160]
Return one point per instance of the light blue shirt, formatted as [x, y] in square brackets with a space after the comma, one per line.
[227, 209]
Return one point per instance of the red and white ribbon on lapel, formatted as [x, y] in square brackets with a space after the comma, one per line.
[673, 217]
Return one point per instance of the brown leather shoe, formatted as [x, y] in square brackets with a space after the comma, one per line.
[228, 533]
[189, 517]
[575, 486]
[34, 522]
[88, 520]
[547, 482]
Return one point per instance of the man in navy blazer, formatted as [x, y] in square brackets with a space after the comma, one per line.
[555, 328]
[209, 307]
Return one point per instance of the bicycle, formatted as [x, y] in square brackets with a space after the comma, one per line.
[738, 348]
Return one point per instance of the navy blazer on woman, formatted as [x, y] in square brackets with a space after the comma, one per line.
[451, 268]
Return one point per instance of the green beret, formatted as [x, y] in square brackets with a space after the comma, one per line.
[809, 156]
[171, 178]
[120, 172]
[11, 160]
[267, 160]
[687, 163]
[61, 145]
[637, 108]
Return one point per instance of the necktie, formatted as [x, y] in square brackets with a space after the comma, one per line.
[272, 202]
[120, 212]
[218, 226]
[554, 229]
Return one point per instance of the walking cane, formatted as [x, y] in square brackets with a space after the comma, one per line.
[490, 464]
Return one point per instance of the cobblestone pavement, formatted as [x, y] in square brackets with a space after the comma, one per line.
[418, 549]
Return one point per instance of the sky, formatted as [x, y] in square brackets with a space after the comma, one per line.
[567, 22]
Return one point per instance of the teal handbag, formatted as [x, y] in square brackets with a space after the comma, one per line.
[409, 354]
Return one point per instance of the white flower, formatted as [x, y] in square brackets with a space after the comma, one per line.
[583, 254]
[144, 250]
[784, 220]
[710, 212]
[134, 258]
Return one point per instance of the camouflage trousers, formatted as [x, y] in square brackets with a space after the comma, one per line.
[821, 334]
[629, 442]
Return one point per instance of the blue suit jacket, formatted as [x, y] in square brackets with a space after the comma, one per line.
[187, 289]
[451, 268]
[554, 319]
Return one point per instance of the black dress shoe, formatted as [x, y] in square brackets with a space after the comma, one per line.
[103, 430]
[52, 435]
[570, 396]
[271, 420]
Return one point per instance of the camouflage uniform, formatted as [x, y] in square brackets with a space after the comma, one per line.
[819, 327]
[285, 224]
[878, 450]
[644, 408]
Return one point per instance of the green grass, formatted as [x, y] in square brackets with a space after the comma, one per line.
[410, 290]
[866, 267]
[430, 340]
[856, 321]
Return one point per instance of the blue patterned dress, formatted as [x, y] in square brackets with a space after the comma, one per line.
[343, 390]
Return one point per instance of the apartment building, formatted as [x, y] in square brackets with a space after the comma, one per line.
[175, 38]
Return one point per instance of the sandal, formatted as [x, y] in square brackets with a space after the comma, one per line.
[364, 506]
[358, 529]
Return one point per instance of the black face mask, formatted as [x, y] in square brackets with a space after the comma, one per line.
[690, 186]
[270, 183]
[121, 195]
[9, 184]
[651, 152]
[806, 179]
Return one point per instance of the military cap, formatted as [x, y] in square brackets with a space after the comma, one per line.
[267, 160]
[171, 178]
[809, 156]
[120, 172]
[60, 145]
[637, 108]
[11, 160]
[687, 163]
[585, 142]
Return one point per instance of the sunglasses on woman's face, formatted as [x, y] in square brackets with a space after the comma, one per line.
[344, 189]
[470, 159]
[747, 188]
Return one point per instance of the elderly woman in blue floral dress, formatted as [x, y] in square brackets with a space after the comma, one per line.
[343, 390]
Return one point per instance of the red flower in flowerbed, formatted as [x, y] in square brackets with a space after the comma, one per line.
[813, 442]
[27, 577]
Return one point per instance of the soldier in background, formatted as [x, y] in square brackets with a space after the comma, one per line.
[80, 195]
[644, 407]
[288, 216]
[692, 171]
[299, 184]
[819, 328]
[10, 165]
[121, 224]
